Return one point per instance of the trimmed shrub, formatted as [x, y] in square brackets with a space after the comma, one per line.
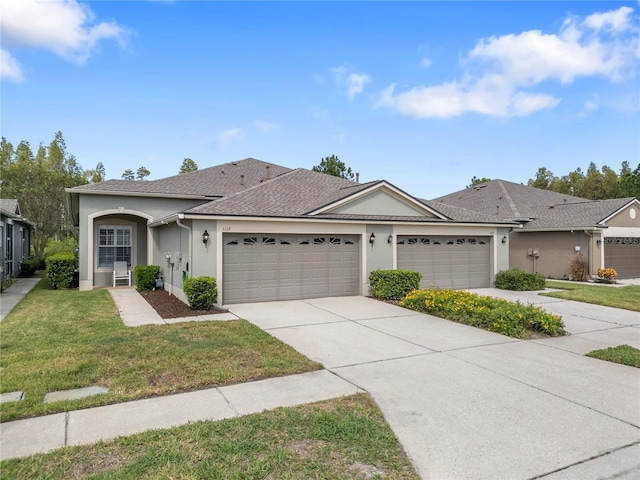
[54, 247]
[393, 284]
[516, 279]
[28, 268]
[60, 270]
[144, 276]
[494, 314]
[201, 292]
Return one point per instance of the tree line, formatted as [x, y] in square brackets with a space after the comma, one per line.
[37, 180]
[595, 184]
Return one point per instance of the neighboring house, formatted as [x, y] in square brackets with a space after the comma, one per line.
[554, 227]
[267, 232]
[15, 231]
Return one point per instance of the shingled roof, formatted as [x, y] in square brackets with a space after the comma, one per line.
[9, 207]
[292, 194]
[254, 188]
[535, 208]
[218, 181]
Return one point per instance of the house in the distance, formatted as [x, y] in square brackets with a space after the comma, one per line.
[554, 228]
[268, 232]
[15, 232]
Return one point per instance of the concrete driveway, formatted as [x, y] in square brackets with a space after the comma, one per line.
[466, 403]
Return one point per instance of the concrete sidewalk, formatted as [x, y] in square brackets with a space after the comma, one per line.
[135, 311]
[14, 294]
[22, 438]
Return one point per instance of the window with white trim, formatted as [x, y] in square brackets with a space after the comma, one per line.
[114, 245]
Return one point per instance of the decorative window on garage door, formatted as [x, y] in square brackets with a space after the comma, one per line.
[621, 241]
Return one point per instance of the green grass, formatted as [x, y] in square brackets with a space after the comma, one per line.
[627, 297]
[59, 340]
[335, 439]
[623, 354]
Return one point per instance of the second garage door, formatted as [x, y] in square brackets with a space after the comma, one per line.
[623, 254]
[265, 267]
[447, 262]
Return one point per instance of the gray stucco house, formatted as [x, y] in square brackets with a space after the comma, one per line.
[268, 232]
[553, 228]
[15, 231]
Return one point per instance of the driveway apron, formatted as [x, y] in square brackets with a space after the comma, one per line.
[466, 403]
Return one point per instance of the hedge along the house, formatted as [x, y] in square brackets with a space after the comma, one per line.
[516, 279]
[201, 292]
[144, 276]
[393, 284]
[60, 268]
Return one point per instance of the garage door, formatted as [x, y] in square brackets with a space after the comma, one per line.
[623, 254]
[447, 262]
[265, 267]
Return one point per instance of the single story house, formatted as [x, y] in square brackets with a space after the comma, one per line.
[553, 228]
[15, 231]
[268, 232]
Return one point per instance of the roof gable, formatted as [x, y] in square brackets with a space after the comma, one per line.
[626, 213]
[380, 198]
[10, 206]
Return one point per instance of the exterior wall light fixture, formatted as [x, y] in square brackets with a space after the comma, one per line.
[390, 239]
[372, 238]
[504, 240]
[205, 237]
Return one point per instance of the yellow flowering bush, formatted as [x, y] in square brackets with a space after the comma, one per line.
[608, 274]
[513, 319]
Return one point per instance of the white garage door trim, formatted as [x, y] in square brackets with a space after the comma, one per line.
[268, 267]
[447, 261]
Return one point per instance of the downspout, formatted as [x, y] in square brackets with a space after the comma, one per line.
[188, 229]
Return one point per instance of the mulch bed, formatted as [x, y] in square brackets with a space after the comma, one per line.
[170, 306]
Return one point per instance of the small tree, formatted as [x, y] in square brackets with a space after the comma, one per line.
[477, 181]
[142, 173]
[128, 175]
[188, 165]
[333, 166]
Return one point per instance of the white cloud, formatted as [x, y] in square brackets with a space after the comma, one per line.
[265, 126]
[344, 76]
[9, 66]
[356, 83]
[501, 71]
[615, 19]
[66, 28]
[228, 135]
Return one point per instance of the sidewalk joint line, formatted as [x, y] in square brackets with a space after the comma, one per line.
[233, 409]
[540, 389]
[66, 428]
[594, 457]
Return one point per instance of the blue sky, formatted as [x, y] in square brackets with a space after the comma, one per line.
[423, 94]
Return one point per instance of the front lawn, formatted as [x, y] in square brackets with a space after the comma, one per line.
[65, 339]
[624, 354]
[334, 439]
[627, 297]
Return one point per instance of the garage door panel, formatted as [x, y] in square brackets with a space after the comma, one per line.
[289, 267]
[447, 262]
[623, 254]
